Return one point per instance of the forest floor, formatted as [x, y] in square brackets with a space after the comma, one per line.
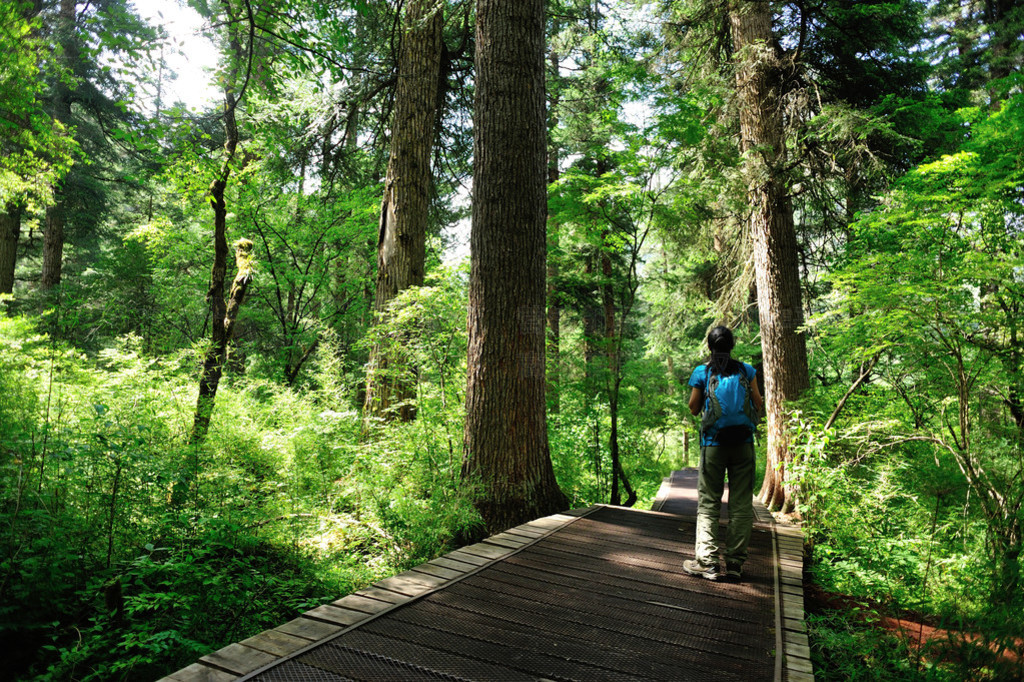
[923, 634]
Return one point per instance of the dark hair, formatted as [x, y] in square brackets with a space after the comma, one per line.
[721, 343]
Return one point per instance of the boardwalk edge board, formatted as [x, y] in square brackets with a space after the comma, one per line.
[663, 493]
[794, 650]
[244, 660]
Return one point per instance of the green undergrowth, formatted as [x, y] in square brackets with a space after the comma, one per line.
[893, 535]
[862, 641]
[105, 576]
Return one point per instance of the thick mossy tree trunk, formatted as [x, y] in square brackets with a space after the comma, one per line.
[401, 242]
[10, 231]
[759, 72]
[506, 438]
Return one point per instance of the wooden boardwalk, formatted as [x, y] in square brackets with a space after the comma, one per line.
[593, 594]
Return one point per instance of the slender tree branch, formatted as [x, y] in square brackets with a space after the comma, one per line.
[865, 372]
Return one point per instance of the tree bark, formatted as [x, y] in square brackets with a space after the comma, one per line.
[759, 74]
[554, 316]
[401, 242]
[506, 439]
[613, 348]
[10, 231]
[56, 216]
[401, 238]
[223, 312]
[554, 326]
[223, 330]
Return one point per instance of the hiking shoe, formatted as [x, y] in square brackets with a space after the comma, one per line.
[695, 568]
[733, 572]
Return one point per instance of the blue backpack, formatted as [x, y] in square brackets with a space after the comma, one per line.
[729, 416]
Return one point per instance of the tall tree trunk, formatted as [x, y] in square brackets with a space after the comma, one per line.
[613, 347]
[401, 242]
[10, 231]
[506, 439]
[223, 312]
[758, 83]
[554, 318]
[56, 216]
[554, 325]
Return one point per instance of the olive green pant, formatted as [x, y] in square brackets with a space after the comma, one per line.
[715, 462]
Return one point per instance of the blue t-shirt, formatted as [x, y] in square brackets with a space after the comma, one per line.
[699, 379]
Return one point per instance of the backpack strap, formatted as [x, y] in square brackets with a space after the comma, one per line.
[712, 408]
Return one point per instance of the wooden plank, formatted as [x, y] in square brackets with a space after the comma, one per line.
[506, 543]
[798, 638]
[357, 602]
[797, 651]
[275, 643]
[197, 672]
[313, 630]
[411, 584]
[428, 580]
[525, 532]
[794, 625]
[793, 610]
[238, 659]
[508, 540]
[329, 613]
[793, 590]
[381, 594]
[663, 492]
[448, 561]
[790, 572]
[789, 601]
[439, 571]
[462, 555]
[802, 665]
[487, 551]
[797, 676]
[550, 522]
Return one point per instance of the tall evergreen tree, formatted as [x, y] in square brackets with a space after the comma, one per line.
[759, 81]
[89, 99]
[56, 215]
[506, 438]
[401, 243]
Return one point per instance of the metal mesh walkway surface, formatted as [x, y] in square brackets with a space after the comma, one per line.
[598, 595]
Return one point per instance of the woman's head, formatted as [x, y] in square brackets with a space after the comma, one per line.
[720, 340]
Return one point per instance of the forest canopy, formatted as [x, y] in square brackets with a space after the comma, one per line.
[363, 305]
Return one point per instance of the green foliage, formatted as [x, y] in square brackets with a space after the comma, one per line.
[168, 606]
[37, 151]
[290, 509]
[844, 648]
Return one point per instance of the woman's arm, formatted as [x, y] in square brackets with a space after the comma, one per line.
[755, 395]
[696, 400]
